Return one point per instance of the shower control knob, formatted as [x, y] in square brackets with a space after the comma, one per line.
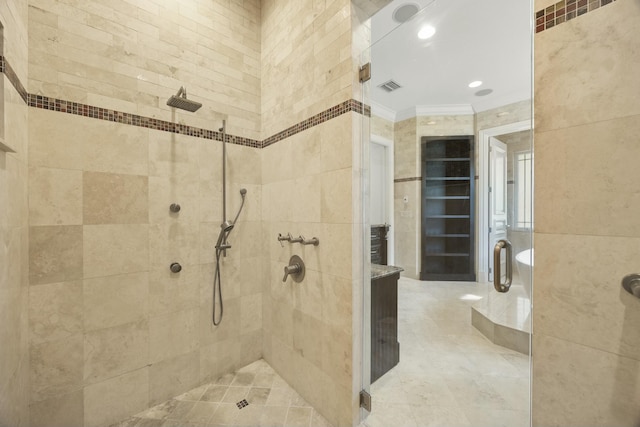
[175, 267]
[175, 208]
[295, 269]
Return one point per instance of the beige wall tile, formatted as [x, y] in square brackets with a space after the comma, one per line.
[172, 154]
[228, 329]
[55, 197]
[305, 341]
[115, 249]
[337, 196]
[577, 385]
[164, 191]
[12, 251]
[250, 313]
[381, 127]
[115, 300]
[336, 300]
[583, 304]
[171, 377]
[115, 199]
[173, 334]
[563, 99]
[243, 165]
[14, 209]
[60, 140]
[55, 254]
[219, 358]
[250, 347]
[336, 143]
[516, 112]
[55, 311]
[117, 398]
[59, 411]
[170, 292]
[113, 351]
[576, 191]
[173, 242]
[52, 140]
[405, 149]
[56, 367]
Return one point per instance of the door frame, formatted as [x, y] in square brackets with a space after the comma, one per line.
[482, 232]
[388, 145]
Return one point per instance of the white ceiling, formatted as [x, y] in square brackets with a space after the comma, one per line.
[488, 40]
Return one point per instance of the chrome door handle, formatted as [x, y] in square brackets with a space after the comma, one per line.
[502, 287]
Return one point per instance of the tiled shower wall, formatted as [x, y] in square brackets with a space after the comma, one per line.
[14, 352]
[586, 361]
[131, 56]
[112, 331]
[307, 179]
[306, 60]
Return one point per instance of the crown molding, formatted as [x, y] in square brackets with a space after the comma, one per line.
[383, 112]
[435, 110]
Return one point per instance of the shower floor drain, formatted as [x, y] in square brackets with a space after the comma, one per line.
[243, 403]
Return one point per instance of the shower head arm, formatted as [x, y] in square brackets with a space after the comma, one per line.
[182, 92]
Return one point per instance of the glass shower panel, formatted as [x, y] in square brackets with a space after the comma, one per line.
[461, 341]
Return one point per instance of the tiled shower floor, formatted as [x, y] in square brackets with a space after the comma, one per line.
[270, 401]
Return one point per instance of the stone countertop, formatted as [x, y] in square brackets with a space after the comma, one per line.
[378, 271]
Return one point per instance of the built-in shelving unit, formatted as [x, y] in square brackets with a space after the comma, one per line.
[447, 208]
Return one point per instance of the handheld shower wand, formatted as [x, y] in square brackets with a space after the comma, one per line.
[221, 247]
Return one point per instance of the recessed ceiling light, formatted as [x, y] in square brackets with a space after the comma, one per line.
[475, 83]
[484, 92]
[405, 12]
[426, 32]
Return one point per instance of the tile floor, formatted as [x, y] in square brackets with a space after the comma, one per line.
[271, 402]
[449, 374]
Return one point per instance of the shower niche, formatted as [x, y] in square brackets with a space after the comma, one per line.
[447, 208]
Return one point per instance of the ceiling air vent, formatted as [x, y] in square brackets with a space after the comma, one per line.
[389, 86]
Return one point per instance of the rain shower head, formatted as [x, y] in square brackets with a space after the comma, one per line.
[180, 100]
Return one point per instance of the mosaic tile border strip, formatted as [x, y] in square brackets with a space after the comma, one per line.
[413, 178]
[6, 69]
[85, 110]
[565, 10]
[326, 115]
[79, 109]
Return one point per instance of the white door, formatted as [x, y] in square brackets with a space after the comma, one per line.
[378, 182]
[497, 198]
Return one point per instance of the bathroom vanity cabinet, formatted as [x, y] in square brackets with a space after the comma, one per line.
[448, 208]
[379, 243]
[385, 349]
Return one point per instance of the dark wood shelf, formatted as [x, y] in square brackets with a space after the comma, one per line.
[447, 216]
[449, 159]
[448, 235]
[447, 197]
[446, 178]
[445, 254]
[448, 208]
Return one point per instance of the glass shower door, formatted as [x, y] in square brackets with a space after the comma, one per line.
[464, 348]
